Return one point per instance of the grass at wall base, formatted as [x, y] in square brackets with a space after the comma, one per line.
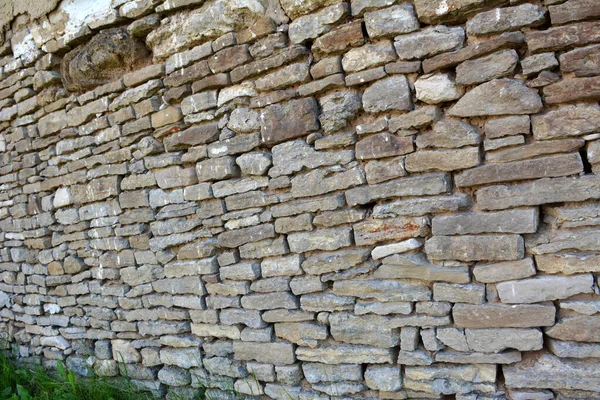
[26, 382]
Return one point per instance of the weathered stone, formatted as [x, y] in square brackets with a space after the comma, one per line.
[176, 176]
[549, 166]
[443, 160]
[326, 302]
[217, 169]
[437, 88]
[383, 290]
[556, 38]
[391, 21]
[269, 301]
[96, 190]
[270, 353]
[445, 60]
[182, 358]
[417, 207]
[507, 357]
[427, 184]
[584, 61]
[568, 263]
[383, 145]
[391, 93]
[368, 56]
[376, 230]
[577, 328]
[322, 263]
[544, 370]
[511, 221]
[436, 11]
[504, 271]
[513, 98]
[374, 307]
[475, 248]
[338, 108]
[323, 181]
[544, 288]
[322, 239]
[299, 116]
[199, 102]
[239, 237]
[503, 316]
[472, 294]
[381, 171]
[312, 26]
[317, 372]
[568, 349]
[496, 65]
[345, 355]
[449, 134]
[416, 266]
[538, 62]
[429, 42]
[385, 378]
[547, 241]
[496, 340]
[566, 121]
[395, 248]
[573, 10]
[419, 118]
[301, 333]
[575, 89]
[537, 192]
[284, 77]
[505, 19]
[82, 69]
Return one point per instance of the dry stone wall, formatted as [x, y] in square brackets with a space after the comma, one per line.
[306, 199]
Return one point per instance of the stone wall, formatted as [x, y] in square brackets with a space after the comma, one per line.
[308, 199]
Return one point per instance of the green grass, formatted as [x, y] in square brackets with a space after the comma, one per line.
[21, 382]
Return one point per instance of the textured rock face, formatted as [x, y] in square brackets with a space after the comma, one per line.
[304, 199]
[105, 58]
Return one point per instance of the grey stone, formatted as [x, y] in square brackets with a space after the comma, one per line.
[475, 248]
[538, 192]
[291, 157]
[269, 301]
[419, 118]
[381, 171]
[277, 353]
[416, 266]
[507, 126]
[539, 62]
[371, 231]
[338, 108]
[437, 88]
[352, 329]
[382, 290]
[544, 370]
[544, 288]
[321, 181]
[569, 349]
[385, 378]
[567, 263]
[322, 263]
[368, 56]
[254, 163]
[183, 358]
[513, 98]
[503, 316]
[453, 293]
[383, 145]
[496, 340]
[510, 221]
[326, 302]
[345, 355]
[300, 118]
[506, 19]
[569, 120]
[421, 206]
[427, 184]
[322, 239]
[549, 166]
[312, 26]
[317, 372]
[373, 307]
[429, 42]
[438, 11]
[392, 93]
[449, 134]
[507, 357]
[217, 169]
[443, 160]
[302, 333]
[284, 77]
[504, 271]
[391, 21]
[496, 65]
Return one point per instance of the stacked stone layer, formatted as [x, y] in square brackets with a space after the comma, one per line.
[312, 199]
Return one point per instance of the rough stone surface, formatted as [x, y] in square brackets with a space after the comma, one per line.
[305, 199]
